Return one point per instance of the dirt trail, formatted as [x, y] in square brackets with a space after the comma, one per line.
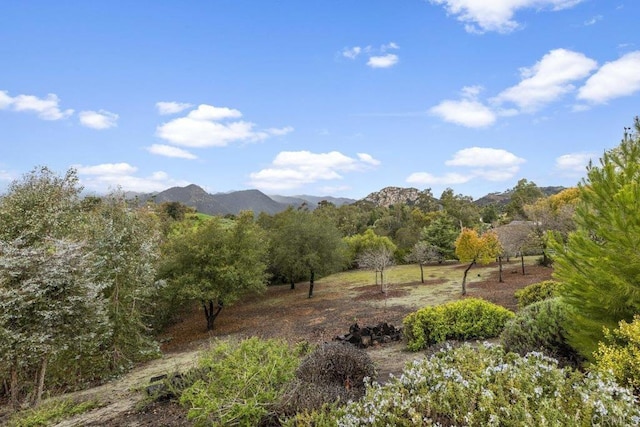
[123, 395]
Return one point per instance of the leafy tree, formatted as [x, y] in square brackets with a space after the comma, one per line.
[474, 248]
[49, 296]
[215, 263]
[125, 245]
[461, 208]
[367, 241]
[524, 193]
[600, 262]
[442, 233]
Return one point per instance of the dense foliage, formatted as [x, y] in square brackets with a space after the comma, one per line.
[619, 354]
[537, 292]
[600, 262]
[541, 327]
[241, 383]
[470, 318]
[485, 386]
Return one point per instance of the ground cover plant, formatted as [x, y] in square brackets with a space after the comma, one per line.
[619, 354]
[470, 318]
[537, 292]
[486, 386]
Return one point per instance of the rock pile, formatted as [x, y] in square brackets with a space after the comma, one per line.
[371, 335]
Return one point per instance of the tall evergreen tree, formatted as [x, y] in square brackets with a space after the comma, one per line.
[600, 263]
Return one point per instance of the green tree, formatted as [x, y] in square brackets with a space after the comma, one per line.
[216, 263]
[49, 295]
[367, 241]
[524, 193]
[600, 262]
[442, 233]
[461, 208]
[474, 248]
[125, 245]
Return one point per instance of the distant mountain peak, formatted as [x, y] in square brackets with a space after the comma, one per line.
[394, 196]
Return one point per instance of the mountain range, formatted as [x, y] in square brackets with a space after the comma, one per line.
[257, 201]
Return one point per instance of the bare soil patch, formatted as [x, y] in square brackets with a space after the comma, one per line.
[288, 314]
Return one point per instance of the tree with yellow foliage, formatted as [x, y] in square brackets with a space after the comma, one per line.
[474, 248]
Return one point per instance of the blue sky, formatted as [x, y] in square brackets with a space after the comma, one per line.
[321, 97]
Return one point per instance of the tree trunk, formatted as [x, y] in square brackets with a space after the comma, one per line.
[14, 385]
[313, 274]
[500, 269]
[522, 261]
[293, 283]
[421, 273]
[464, 279]
[211, 312]
[41, 375]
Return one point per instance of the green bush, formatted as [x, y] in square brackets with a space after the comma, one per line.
[241, 382]
[620, 354]
[486, 386]
[469, 318]
[540, 327]
[537, 292]
[51, 412]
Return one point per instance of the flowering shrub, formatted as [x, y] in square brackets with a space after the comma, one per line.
[620, 354]
[469, 318]
[537, 292]
[485, 386]
[540, 327]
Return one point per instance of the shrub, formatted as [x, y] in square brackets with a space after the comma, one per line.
[485, 386]
[470, 318]
[242, 380]
[537, 292]
[540, 327]
[334, 372]
[620, 354]
[51, 412]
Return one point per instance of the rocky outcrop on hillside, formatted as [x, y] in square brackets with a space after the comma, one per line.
[394, 196]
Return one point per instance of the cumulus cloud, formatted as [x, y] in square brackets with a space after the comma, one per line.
[98, 119]
[384, 61]
[573, 163]
[293, 169]
[170, 107]
[209, 126]
[467, 111]
[109, 176]
[491, 164]
[169, 151]
[547, 80]
[613, 80]
[425, 178]
[46, 108]
[481, 16]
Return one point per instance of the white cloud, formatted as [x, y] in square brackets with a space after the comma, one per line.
[46, 108]
[109, 176]
[165, 107]
[574, 163]
[465, 112]
[481, 16]
[169, 151]
[388, 46]
[613, 80]
[484, 157]
[98, 119]
[491, 164]
[206, 127]
[351, 52]
[593, 20]
[293, 169]
[547, 80]
[425, 178]
[384, 61]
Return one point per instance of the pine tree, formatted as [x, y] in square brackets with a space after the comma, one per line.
[600, 263]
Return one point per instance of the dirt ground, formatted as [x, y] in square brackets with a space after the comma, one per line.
[315, 320]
